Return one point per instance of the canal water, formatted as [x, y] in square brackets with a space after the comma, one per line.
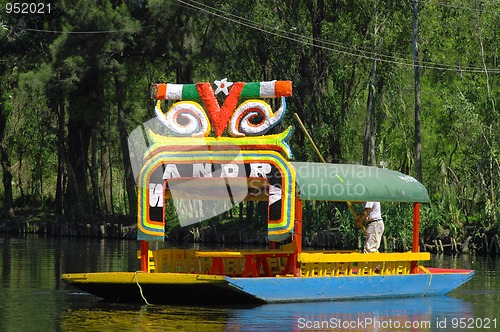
[33, 298]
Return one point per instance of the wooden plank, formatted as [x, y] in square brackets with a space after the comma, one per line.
[357, 257]
[242, 253]
[143, 278]
[221, 254]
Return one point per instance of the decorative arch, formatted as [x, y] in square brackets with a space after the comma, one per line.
[203, 166]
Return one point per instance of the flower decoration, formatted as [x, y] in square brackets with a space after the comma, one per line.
[222, 85]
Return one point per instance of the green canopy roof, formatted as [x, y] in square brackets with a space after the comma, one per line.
[338, 182]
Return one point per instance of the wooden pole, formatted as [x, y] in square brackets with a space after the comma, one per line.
[360, 224]
[301, 124]
[304, 129]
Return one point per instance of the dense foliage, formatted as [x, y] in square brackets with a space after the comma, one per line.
[75, 82]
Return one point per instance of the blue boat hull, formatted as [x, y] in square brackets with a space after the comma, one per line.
[272, 290]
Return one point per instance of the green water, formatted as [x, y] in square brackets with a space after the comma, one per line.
[33, 298]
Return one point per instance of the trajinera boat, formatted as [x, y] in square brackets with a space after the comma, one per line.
[204, 176]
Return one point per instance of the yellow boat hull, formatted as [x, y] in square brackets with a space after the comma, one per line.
[159, 287]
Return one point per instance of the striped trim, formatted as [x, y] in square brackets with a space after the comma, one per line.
[275, 142]
[172, 91]
[269, 89]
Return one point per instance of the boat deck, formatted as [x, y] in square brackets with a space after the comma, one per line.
[278, 262]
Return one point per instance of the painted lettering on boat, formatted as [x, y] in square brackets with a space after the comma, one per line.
[208, 170]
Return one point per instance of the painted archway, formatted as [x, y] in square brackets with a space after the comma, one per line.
[247, 165]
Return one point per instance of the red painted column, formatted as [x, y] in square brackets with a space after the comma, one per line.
[144, 256]
[297, 236]
[298, 225]
[416, 228]
[415, 247]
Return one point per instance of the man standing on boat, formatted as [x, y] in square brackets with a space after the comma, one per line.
[372, 214]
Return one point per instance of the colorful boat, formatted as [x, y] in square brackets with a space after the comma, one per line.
[209, 175]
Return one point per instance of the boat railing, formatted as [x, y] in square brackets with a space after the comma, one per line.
[272, 263]
[357, 264]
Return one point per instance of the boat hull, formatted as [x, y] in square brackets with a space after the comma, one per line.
[206, 289]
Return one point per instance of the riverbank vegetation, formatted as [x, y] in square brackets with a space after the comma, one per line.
[407, 85]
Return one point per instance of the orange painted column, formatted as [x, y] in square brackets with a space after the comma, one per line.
[144, 256]
[415, 247]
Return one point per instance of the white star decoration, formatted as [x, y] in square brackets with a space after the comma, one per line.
[222, 85]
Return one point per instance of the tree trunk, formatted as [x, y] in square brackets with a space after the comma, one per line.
[347, 91]
[317, 10]
[110, 182]
[250, 208]
[370, 130]
[311, 66]
[8, 199]
[240, 214]
[185, 64]
[127, 167]
[490, 138]
[78, 146]
[85, 109]
[59, 203]
[94, 173]
[416, 66]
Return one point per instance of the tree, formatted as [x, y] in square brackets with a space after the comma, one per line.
[87, 61]
[416, 64]
[77, 81]
[370, 127]
[8, 200]
[19, 52]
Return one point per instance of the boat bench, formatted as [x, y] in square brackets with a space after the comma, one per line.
[279, 262]
[255, 263]
[357, 264]
[244, 263]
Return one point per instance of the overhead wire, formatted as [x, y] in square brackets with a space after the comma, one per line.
[292, 36]
[288, 35]
[323, 44]
[448, 5]
[96, 32]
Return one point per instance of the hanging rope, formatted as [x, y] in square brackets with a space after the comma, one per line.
[140, 288]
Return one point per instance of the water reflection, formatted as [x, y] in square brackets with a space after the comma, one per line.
[355, 315]
[423, 314]
[34, 299]
[102, 316]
